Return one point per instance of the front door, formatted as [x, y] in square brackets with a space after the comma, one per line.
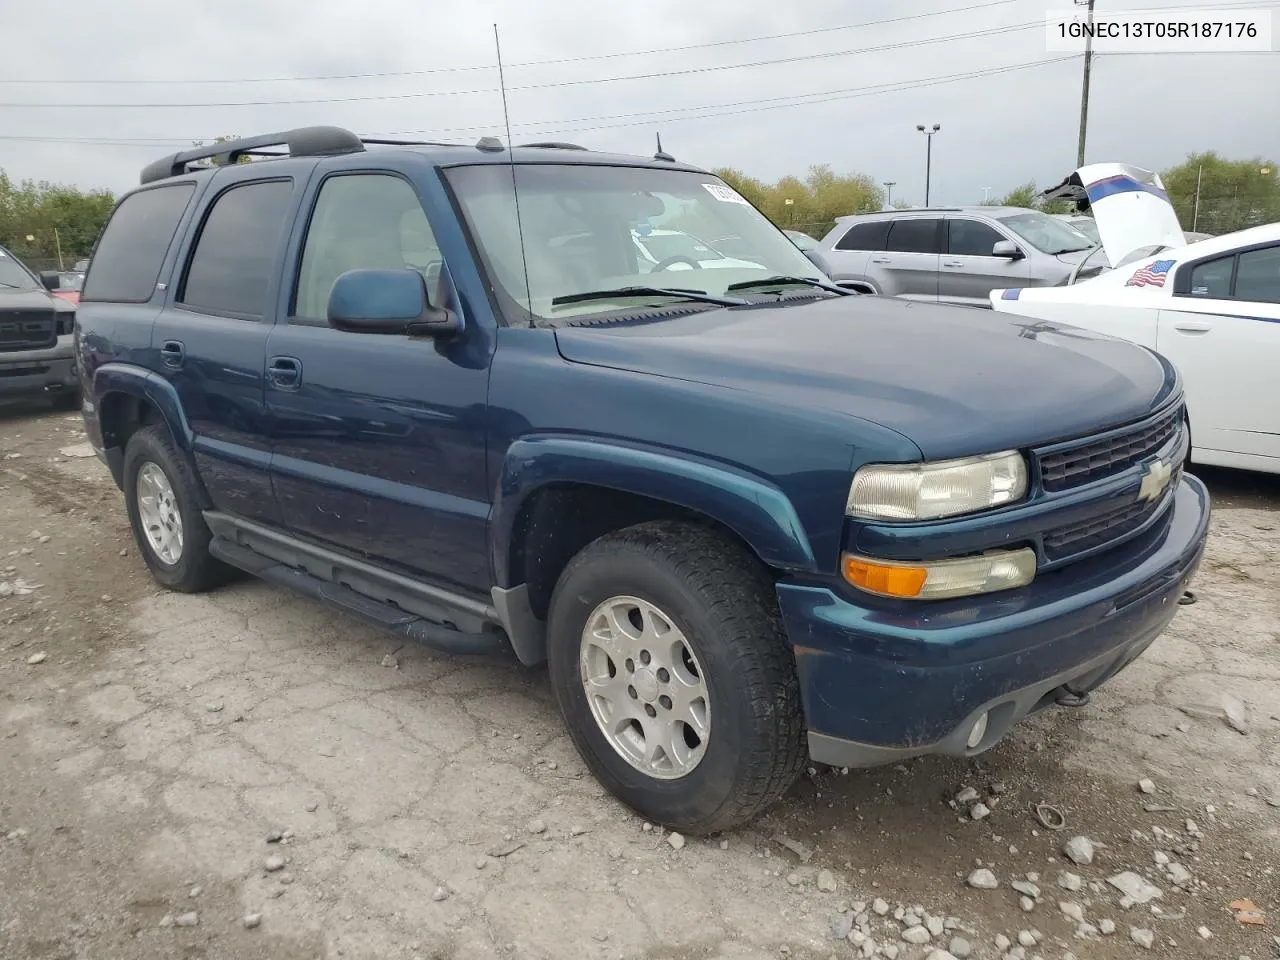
[969, 269]
[379, 440]
[211, 337]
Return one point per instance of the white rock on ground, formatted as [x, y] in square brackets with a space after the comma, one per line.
[916, 935]
[1079, 850]
[983, 879]
[1070, 881]
[1142, 937]
[1135, 887]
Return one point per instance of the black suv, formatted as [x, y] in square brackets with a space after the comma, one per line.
[37, 355]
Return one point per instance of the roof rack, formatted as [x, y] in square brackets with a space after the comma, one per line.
[552, 145]
[302, 142]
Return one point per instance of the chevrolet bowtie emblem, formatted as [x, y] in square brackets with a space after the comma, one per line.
[1155, 478]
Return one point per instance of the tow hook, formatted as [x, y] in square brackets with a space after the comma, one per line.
[1069, 698]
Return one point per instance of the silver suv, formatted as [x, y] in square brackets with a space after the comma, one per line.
[953, 254]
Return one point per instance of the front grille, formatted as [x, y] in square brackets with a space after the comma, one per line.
[1107, 528]
[1096, 459]
[27, 329]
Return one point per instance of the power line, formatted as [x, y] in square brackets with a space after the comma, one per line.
[632, 119]
[529, 63]
[989, 31]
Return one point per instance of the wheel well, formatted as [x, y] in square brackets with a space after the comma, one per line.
[121, 415]
[560, 519]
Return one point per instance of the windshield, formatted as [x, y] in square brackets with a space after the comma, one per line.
[584, 228]
[1047, 234]
[14, 275]
[1086, 226]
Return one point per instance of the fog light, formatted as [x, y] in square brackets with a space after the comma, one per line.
[978, 732]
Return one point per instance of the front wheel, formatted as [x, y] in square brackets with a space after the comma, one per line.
[669, 664]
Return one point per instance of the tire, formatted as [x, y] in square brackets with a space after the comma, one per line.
[193, 569]
[722, 601]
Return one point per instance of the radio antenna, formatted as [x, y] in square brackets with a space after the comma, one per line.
[515, 190]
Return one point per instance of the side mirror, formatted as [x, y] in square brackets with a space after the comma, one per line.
[387, 301]
[1007, 248]
[51, 280]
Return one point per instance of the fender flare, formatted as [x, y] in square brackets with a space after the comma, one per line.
[132, 381]
[757, 511]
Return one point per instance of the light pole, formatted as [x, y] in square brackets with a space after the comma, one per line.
[888, 197]
[928, 155]
[986, 194]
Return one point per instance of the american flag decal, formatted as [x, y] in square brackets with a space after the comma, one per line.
[1151, 275]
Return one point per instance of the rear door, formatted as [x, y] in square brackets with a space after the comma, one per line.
[210, 339]
[969, 269]
[910, 261]
[1221, 328]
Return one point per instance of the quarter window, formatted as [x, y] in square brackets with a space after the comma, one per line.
[230, 270]
[914, 236]
[363, 221]
[132, 248]
[1212, 279]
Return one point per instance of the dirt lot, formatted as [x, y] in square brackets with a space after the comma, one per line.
[153, 746]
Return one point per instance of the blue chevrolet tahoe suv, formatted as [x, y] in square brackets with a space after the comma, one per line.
[744, 516]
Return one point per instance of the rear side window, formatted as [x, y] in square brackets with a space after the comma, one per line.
[914, 236]
[127, 261]
[230, 270]
[1213, 278]
[865, 236]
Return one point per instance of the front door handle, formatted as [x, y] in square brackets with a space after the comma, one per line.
[172, 353]
[881, 260]
[284, 373]
[1192, 326]
[953, 264]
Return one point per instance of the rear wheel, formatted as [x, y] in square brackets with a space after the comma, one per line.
[164, 511]
[669, 664]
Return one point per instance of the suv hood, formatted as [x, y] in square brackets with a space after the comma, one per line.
[955, 380]
[1129, 205]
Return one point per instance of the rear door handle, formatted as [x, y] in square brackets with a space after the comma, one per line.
[953, 264]
[172, 353]
[1192, 326]
[881, 260]
[285, 373]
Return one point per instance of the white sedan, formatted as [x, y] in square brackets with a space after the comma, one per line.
[1213, 309]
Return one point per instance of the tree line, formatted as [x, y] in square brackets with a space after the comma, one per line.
[52, 225]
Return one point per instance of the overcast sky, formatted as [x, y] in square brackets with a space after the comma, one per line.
[998, 130]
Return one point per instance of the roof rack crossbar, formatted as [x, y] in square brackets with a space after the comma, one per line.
[302, 142]
[551, 145]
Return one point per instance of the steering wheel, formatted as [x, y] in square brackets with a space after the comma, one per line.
[669, 262]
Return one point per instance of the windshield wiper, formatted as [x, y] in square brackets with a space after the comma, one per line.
[11, 286]
[622, 292]
[779, 281]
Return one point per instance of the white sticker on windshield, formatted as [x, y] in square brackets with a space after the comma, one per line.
[724, 194]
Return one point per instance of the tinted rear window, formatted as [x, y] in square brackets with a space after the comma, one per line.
[914, 236]
[865, 236]
[127, 261]
[230, 270]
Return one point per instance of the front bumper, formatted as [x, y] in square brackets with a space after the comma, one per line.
[895, 681]
[48, 371]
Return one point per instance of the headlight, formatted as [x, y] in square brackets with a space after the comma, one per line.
[947, 488]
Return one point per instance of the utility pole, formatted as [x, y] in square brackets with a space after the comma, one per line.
[888, 197]
[928, 155]
[1195, 216]
[1084, 91]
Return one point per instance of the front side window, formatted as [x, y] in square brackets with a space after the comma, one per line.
[971, 238]
[230, 270]
[13, 275]
[589, 228]
[1047, 234]
[914, 236]
[131, 251]
[1258, 276]
[364, 221]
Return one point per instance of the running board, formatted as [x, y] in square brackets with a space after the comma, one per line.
[460, 632]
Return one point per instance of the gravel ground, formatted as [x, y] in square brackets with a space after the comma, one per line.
[249, 775]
